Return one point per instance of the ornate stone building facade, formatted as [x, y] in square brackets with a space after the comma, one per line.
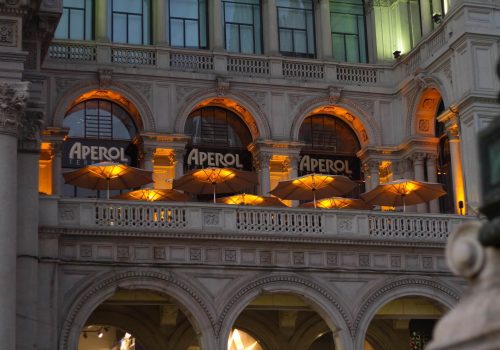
[375, 90]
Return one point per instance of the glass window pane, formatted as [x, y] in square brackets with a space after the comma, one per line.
[338, 47]
[310, 33]
[302, 4]
[184, 8]
[352, 48]
[299, 41]
[238, 13]
[76, 29]
[345, 23]
[74, 3]
[191, 33]
[62, 27]
[176, 33]
[119, 28]
[246, 39]
[202, 14]
[286, 44]
[134, 29]
[129, 6]
[292, 18]
[232, 38]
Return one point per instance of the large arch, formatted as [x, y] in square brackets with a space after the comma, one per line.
[95, 289]
[366, 128]
[322, 300]
[127, 97]
[237, 102]
[391, 289]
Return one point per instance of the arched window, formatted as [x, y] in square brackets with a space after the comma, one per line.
[217, 127]
[325, 133]
[99, 130]
[331, 147]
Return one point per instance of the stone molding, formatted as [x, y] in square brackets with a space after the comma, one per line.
[30, 127]
[261, 283]
[13, 99]
[95, 288]
[416, 281]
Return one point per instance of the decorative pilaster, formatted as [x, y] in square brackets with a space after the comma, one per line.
[55, 136]
[450, 119]
[418, 168]
[13, 99]
[262, 163]
[270, 27]
[326, 31]
[431, 163]
[101, 21]
[27, 228]
[215, 23]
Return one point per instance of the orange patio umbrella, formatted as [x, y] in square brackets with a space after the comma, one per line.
[403, 192]
[338, 203]
[313, 186]
[251, 199]
[153, 195]
[108, 176]
[213, 180]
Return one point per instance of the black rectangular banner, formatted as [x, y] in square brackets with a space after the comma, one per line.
[77, 153]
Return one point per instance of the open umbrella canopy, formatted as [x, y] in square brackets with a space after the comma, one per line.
[251, 199]
[153, 195]
[313, 186]
[338, 203]
[108, 175]
[215, 180]
[403, 192]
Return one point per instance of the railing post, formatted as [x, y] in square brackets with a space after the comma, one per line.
[276, 68]
[103, 53]
[163, 59]
[220, 63]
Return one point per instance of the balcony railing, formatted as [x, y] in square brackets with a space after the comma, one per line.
[158, 218]
[218, 63]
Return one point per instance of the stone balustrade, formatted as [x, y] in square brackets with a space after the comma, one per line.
[196, 217]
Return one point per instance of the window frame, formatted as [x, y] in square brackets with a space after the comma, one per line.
[253, 26]
[184, 46]
[86, 26]
[127, 14]
[294, 53]
[360, 45]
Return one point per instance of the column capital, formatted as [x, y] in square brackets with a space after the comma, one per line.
[418, 157]
[451, 122]
[13, 98]
[30, 129]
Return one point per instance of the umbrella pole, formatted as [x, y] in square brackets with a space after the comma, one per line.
[107, 182]
[404, 205]
[214, 192]
[314, 198]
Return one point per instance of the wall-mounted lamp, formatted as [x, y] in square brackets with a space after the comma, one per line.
[436, 18]
[397, 54]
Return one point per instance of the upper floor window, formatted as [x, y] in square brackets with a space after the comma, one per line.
[242, 24]
[76, 20]
[347, 22]
[130, 21]
[296, 27]
[188, 23]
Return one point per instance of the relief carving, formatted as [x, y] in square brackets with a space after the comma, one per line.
[8, 32]
[13, 98]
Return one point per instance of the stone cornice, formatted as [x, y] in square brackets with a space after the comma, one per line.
[13, 98]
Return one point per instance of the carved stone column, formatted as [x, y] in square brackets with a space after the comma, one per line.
[215, 20]
[418, 168]
[426, 17]
[27, 229]
[56, 136]
[101, 21]
[431, 163]
[262, 162]
[372, 169]
[12, 103]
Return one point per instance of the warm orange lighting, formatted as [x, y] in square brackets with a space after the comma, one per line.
[239, 340]
[108, 170]
[45, 169]
[214, 175]
[404, 188]
[313, 181]
[243, 199]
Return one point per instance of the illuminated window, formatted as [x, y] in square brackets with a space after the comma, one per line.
[100, 119]
[188, 23]
[444, 173]
[328, 133]
[347, 22]
[242, 23]
[76, 20]
[130, 22]
[218, 127]
[296, 27]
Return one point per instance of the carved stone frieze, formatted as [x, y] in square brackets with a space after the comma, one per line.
[181, 92]
[222, 86]
[295, 99]
[13, 98]
[8, 32]
[259, 97]
[30, 125]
